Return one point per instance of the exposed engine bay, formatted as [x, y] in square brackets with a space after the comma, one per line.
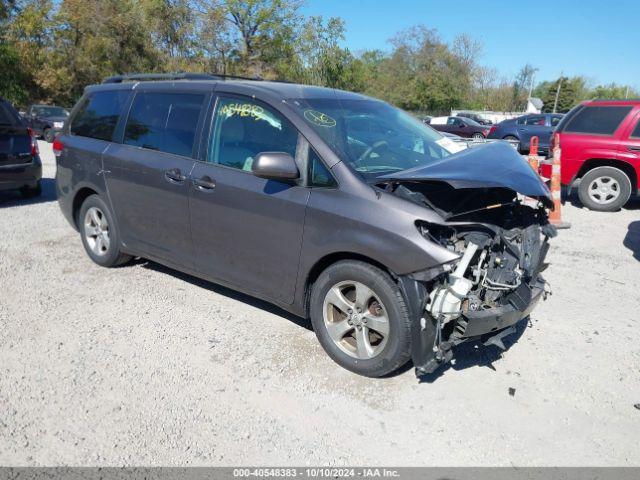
[501, 240]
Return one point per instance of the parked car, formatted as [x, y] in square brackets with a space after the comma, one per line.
[20, 166]
[461, 126]
[521, 130]
[46, 120]
[392, 245]
[600, 145]
[476, 117]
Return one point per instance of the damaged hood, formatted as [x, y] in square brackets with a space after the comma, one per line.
[495, 165]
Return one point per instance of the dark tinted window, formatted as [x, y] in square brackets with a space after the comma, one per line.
[98, 114]
[636, 131]
[7, 117]
[597, 120]
[319, 175]
[244, 128]
[555, 120]
[535, 120]
[164, 121]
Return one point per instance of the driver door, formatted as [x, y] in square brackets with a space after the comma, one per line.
[247, 231]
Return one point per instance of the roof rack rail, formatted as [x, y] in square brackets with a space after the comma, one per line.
[149, 77]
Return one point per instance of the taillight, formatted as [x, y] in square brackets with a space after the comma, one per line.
[493, 129]
[58, 146]
[34, 143]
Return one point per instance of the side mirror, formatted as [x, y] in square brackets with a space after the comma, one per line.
[275, 166]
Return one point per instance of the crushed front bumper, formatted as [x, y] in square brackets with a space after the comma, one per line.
[428, 354]
[521, 302]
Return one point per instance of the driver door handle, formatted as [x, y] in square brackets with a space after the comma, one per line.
[633, 148]
[174, 176]
[205, 184]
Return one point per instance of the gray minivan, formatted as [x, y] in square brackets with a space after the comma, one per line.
[330, 204]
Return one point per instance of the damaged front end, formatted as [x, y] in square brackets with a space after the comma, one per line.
[501, 238]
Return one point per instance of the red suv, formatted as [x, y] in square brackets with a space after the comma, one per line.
[600, 142]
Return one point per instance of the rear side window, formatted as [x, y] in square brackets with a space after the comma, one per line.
[597, 120]
[165, 122]
[555, 121]
[98, 114]
[7, 117]
[537, 120]
[636, 131]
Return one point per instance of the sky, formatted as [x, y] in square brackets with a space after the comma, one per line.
[597, 39]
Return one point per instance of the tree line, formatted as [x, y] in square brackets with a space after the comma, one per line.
[50, 50]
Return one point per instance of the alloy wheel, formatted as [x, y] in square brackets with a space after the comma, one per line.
[356, 319]
[604, 190]
[96, 231]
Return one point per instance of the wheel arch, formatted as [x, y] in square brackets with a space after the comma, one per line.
[78, 199]
[626, 167]
[323, 263]
[504, 137]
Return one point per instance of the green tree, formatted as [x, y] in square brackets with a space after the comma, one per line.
[612, 90]
[565, 90]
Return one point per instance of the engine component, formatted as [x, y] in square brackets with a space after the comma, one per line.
[446, 300]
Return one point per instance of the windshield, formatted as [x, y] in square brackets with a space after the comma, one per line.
[48, 112]
[372, 137]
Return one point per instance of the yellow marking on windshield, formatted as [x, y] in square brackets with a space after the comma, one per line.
[319, 118]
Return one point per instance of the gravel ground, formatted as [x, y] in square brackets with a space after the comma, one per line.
[142, 365]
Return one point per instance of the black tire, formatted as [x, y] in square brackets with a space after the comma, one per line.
[32, 192]
[48, 135]
[512, 138]
[605, 175]
[396, 350]
[477, 136]
[112, 256]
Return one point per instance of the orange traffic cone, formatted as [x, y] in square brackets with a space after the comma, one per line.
[533, 153]
[555, 216]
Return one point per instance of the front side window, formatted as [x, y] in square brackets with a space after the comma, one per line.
[98, 114]
[243, 128]
[597, 120]
[319, 175]
[166, 122]
[372, 137]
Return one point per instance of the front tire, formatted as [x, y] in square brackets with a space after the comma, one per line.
[99, 233]
[360, 318]
[604, 189]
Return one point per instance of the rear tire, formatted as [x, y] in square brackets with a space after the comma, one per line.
[477, 137]
[372, 337]
[604, 189]
[511, 138]
[32, 192]
[99, 233]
